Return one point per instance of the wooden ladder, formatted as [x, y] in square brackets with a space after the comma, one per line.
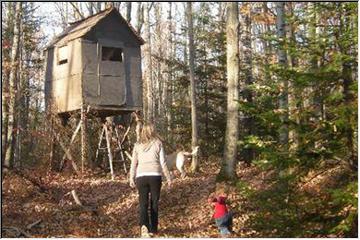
[105, 133]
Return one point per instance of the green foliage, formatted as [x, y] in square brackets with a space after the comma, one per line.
[283, 211]
[276, 212]
[210, 67]
[345, 201]
[322, 123]
[244, 189]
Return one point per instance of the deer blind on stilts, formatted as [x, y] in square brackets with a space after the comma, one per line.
[93, 71]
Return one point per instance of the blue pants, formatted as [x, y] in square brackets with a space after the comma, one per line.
[224, 223]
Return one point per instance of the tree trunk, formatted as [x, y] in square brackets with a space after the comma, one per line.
[98, 6]
[5, 80]
[295, 96]
[19, 98]
[78, 14]
[266, 43]
[12, 87]
[5, 115]
[228, 164]
[90, 8]
[345, 21]
[128, 11]
[139, 17]
[247, 77]
[194, 129]
[185, 32]
[149, 71]
[158, 79]
[282, 59]
[314, 31]
[169, 84]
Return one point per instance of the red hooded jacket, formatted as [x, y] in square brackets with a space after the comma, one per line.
[220, 207]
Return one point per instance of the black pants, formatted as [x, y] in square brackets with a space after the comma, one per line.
[149, 185]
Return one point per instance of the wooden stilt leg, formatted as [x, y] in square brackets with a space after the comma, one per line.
[84, 145]
[52, 149]
[123, 160]
[109, 152]
[68, 155]
[52, 146]
[138, 129]
[99, 144]
[121, 150]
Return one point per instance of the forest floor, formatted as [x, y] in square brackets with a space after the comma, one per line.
[112, 206]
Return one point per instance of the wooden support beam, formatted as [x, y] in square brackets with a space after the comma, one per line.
[128, 155]
[84, 145]
[121, 149]
[128, 129]
[71, 141]
[125, 135]
[99, 144]
[52, 144]
[68, 154]
[108, 143]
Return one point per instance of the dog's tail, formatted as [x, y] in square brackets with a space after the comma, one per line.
[196, 149]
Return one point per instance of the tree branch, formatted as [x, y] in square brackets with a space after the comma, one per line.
[77, 10]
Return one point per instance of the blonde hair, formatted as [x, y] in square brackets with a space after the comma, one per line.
[147, 133]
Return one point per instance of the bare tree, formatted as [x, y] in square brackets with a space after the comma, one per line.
[13, 86]
[159, 78]
[128, 11]
[90, 7]
[194, 127]
[78, 14]
[168, 87]
[282, 59]
[348, 49]
[139, 17]
[8, 31]
[149, 105]
[246, 73]
[231, 136]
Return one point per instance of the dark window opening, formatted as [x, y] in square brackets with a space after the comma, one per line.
[62, 61]
[111, 54]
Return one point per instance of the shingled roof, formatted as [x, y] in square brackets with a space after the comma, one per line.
[82, 27]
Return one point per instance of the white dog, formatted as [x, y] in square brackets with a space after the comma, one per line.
[177, 159]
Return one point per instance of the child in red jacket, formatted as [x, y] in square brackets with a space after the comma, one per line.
[223, 218]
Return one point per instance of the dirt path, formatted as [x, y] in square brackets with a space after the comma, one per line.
[184, 211]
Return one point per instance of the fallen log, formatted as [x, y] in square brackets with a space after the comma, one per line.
[79, 207]
[76, 198]
[31, 225]
[19, 232]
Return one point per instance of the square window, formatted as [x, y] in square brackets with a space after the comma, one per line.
[111, 54]
[62, 55]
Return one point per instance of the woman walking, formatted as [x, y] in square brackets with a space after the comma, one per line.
[147, 165]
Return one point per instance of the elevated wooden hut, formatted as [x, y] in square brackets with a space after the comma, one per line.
[95, 62]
